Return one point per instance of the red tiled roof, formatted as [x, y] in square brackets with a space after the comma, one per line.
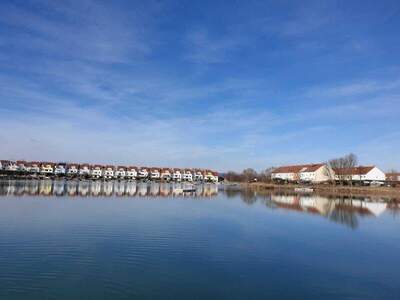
[298, 168]
[361, 170]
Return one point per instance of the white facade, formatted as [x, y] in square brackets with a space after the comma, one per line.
[143, 173]
[131, 173]
[84, 170]
[198, 176]
[155, 174]
[120, 173]
[177, 175]
[284, 176]
[210, 177]
[72, 170]
[165, 174]
[59, 170]
[306, 173]
[109, 172]
[374, 174]
[47, 169]
[96, 172]
[9, 166]
[187, 176]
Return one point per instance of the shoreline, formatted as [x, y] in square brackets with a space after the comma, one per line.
[328, 190]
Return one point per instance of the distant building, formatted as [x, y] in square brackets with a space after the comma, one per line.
[84, 170]
[143, 173]
[361, 173]
[33, 167]
[108, 172]
[177, 175]
[305, 173]
[96, 171]
[131, 172]
[47, 168]
[198, 175]
[165, 174]
[393, 177]
[22, 166]
[155, 173]
[120, 172]
[187, 175]
[72, 169]
[60, 169]
[9, 165]
[210, 176]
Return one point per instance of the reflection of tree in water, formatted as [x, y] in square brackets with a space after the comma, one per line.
[232, 193]
[344, 216]
[394, 207]
[248, 196]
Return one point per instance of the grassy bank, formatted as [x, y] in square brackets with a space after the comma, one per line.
[330, 190]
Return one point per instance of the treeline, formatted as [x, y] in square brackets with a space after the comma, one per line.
[249, 175]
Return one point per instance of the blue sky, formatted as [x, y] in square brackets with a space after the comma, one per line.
[220, 84]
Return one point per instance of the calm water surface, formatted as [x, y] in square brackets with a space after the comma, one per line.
[127, 240]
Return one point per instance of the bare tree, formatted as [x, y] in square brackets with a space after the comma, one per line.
[265, 176]
[249, 174]
[342, 163]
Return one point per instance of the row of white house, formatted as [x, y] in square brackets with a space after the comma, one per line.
[317, 173]
[108, 171]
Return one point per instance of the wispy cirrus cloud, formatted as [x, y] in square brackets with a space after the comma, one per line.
[90, 31]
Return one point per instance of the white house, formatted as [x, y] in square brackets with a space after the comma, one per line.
[84, 170]
[155, 173]
[187, 175]
[143, 173]
[361, 173]
[131, 173]
[9, 165]
[165, 174]
[22, 166]
[306, 173]
[198, 175]
[120, 172]
[96, 171]
[177, 175]
[72, 169]
[47, 168]
[108, 172]
[210, 176]
[59, 169]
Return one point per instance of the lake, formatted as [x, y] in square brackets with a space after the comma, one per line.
[128, 240]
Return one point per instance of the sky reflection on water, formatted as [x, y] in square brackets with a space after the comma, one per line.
[225, 244]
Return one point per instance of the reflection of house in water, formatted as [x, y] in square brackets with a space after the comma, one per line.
[83, 188]
[345, 211]
[119, 188]
[95, 188]
[199, 190]
[142, 189]
[210, 190]
[130, 188]
[45, 187]
[19, 188]
[177, 189]
[108, 188]
[59, 187]
[33, 187]
[154, 189]
[72, 187]
[165, 189]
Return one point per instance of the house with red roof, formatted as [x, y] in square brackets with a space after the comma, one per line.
[305, 173]
[360, 173]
